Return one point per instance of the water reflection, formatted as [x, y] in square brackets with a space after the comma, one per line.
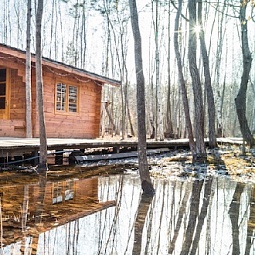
[77, 216]
[142, 212]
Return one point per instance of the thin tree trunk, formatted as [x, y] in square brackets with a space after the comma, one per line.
[182, 81]
[83, 43]
[208, 83]
[52, 29]
[28, 75]
[240, 100]
[159, 132]
[130, 119]
[39, 90]
[218, 94]
[152, 103]
[169, 124]
[142, 157]
[110, 116]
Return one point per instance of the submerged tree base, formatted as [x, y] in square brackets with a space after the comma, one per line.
[148, 189]
[42, 168]
[199, 158]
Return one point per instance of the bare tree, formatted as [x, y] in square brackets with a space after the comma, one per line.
[39, 90]
[142, 157]
[208, 83]
[217, 70]
[181, 79]
[169, 124]
[240, 99]
[28, 75]
[196, 84]
[159, 131]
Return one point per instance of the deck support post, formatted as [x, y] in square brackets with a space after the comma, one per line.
[35, 154]
[116, 149]
[59, 157]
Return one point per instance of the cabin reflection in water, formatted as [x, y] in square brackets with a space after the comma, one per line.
[186, 216]
[29, 210]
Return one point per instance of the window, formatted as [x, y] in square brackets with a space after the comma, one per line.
[66, 98]
[61, 97]
[72, 99]
[2, 88]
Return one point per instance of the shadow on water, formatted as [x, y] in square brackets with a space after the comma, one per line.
[108, 215]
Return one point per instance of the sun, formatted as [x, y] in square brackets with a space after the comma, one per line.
[197, 29]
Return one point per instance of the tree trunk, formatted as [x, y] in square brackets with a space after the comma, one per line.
[240, 100]
[196, 84]
[28, 75]
[142, 157]
[181, 80]
[159, 131]
[208, 83]
[39, 90]
[218, 94]
[130, 119]
[169, 124]
[83, 41]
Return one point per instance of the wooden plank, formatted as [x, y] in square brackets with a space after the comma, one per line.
[30, 144]
[82, 159]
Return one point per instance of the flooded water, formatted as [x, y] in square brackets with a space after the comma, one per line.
[108, 215]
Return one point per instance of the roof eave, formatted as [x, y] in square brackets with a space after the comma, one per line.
[15, 52]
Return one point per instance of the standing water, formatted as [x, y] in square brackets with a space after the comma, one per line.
[108, 215]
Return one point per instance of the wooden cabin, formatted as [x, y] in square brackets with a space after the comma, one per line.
[72, 97]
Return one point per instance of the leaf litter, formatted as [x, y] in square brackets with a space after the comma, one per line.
[222, 161]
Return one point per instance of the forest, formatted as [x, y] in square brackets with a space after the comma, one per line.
[197, 60]
[187, 72]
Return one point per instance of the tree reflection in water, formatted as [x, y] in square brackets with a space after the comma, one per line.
[193, 214]
[39, 209]
[143, 209]
[250, 227]
[185, 216]
[234, 217]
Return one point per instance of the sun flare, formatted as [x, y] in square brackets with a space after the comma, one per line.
[197, 29]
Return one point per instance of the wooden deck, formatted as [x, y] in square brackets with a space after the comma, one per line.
[16, 150]
[10, 144]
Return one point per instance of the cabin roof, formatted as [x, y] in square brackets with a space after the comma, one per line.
[20, 54]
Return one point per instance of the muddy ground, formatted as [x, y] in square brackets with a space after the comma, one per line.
[225, 160]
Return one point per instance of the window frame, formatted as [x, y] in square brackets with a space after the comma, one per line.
[5, 112]
[65, 105]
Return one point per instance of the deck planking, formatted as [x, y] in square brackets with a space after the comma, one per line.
[10, 144]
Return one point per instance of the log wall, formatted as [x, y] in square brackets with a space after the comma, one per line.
[83, 124]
